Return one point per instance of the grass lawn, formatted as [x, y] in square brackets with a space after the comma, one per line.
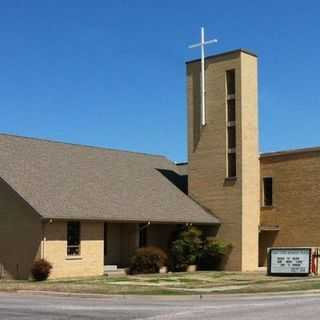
[171, 284]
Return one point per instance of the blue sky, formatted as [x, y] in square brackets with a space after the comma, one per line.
[112, 73]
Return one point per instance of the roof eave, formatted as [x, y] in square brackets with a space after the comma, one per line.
[112, 220]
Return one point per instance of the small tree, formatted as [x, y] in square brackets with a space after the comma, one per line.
[191, 247]
[186, 249]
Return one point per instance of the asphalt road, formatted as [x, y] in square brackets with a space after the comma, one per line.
[35, 307]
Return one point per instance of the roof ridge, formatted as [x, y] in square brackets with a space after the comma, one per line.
[83, 145]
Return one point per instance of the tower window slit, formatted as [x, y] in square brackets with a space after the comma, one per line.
[231, 124]
[232, 166]
[231, 82]
[231, 110]
[231, 137]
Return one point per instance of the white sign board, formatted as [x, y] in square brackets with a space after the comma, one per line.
[289, 261]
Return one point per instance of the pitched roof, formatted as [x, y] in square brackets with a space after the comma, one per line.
[67, 181]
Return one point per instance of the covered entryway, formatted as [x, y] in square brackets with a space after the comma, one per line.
[122, 239]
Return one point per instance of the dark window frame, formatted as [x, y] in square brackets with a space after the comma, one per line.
[268, 198]
[73, 238]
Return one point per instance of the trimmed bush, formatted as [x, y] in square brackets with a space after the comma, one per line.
[41, 270]
[148, 260]
[187, 248]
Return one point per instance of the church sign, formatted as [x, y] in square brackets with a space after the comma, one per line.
[289, 261]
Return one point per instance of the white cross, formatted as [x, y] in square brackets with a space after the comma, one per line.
[203, 86]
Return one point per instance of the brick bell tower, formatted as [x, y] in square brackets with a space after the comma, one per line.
[223, 152]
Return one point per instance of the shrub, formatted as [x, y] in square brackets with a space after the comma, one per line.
[148, 260]
[213, 252]
[191, 247]
[41, 270]
[186, 249]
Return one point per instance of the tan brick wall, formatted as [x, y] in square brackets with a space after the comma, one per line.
[296, 192]
[20, 234]
[89, 263]
[232, 201]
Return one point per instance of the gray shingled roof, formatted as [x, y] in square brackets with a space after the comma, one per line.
[67, 181]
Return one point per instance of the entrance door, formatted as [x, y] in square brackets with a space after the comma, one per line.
[105, 243]
[266, 240]
[120, 243]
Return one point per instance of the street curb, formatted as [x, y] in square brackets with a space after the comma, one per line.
[167, 297]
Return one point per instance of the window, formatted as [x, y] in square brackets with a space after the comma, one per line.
[143, 235]
[267, 191]
[231, 124]
[73, 238]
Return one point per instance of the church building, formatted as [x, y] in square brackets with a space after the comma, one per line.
[85, 209]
